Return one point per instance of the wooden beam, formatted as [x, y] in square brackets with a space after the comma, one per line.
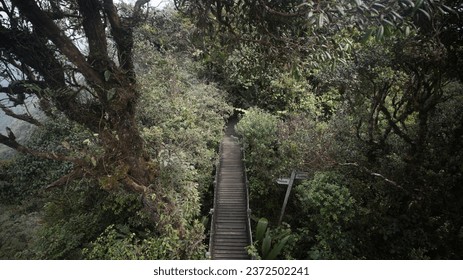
[288, 191]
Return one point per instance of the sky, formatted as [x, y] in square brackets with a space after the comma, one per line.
[155, 3]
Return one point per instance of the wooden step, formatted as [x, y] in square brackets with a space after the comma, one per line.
[230, 229]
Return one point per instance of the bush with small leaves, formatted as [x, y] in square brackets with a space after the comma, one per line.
[328, 210]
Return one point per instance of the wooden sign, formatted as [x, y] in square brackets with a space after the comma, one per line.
[283, 181]
[302, 175]
[289, 181]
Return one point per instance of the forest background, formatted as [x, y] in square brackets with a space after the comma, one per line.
[131, 101]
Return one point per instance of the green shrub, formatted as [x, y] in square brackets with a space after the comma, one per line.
[25, 176]
[114, 245]
[328, 211]
[182, 120]
[270, 244]
[259, 133]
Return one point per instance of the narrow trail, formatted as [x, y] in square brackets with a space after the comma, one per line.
[230, 234]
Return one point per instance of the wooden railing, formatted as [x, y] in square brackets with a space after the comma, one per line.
[246, 182]
[212, 212]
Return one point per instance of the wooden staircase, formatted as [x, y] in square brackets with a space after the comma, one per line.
[230, 222]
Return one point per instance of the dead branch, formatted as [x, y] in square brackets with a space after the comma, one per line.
[23, 117]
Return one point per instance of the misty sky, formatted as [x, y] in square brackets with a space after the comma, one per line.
[155, 3]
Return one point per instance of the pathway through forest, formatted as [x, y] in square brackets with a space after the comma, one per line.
[229, 232]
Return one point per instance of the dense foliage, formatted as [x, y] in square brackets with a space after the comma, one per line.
[181, 120]
[367, 101]
[366, 97]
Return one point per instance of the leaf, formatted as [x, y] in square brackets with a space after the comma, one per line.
[387, 22]
[340, 10]
[111, 94]
[321, 19]
[449, 9]
[93, 161]
[261, 228]
[409, 3]
[380, 33]
[396, 15]
[277, 249]
[328, 55]
[310, 14]
[387, 31]
[442, 10]
[407, 30]
[266, 243]
[426, 14]
[107, 75]
[366, 36]
[378, 5]
[418, 4]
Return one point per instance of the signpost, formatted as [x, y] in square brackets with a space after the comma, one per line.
[302, 175]
[283, 181]
[289, 181]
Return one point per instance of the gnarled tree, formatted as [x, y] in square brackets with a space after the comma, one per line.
[61, 52]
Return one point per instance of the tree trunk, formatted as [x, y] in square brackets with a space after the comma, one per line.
[111, 110]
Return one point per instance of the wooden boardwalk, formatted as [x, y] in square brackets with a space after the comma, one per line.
[230, 228]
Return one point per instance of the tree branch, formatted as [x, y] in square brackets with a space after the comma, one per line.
[375, 174]
[95, 32]
[137, 8]
[134, 186]
[23, 117]
[11, 142]
[24, 86]
[32, 50]
[50, 30]
[122, 36]
[122, 32]
[395, 127]
[73, 175]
